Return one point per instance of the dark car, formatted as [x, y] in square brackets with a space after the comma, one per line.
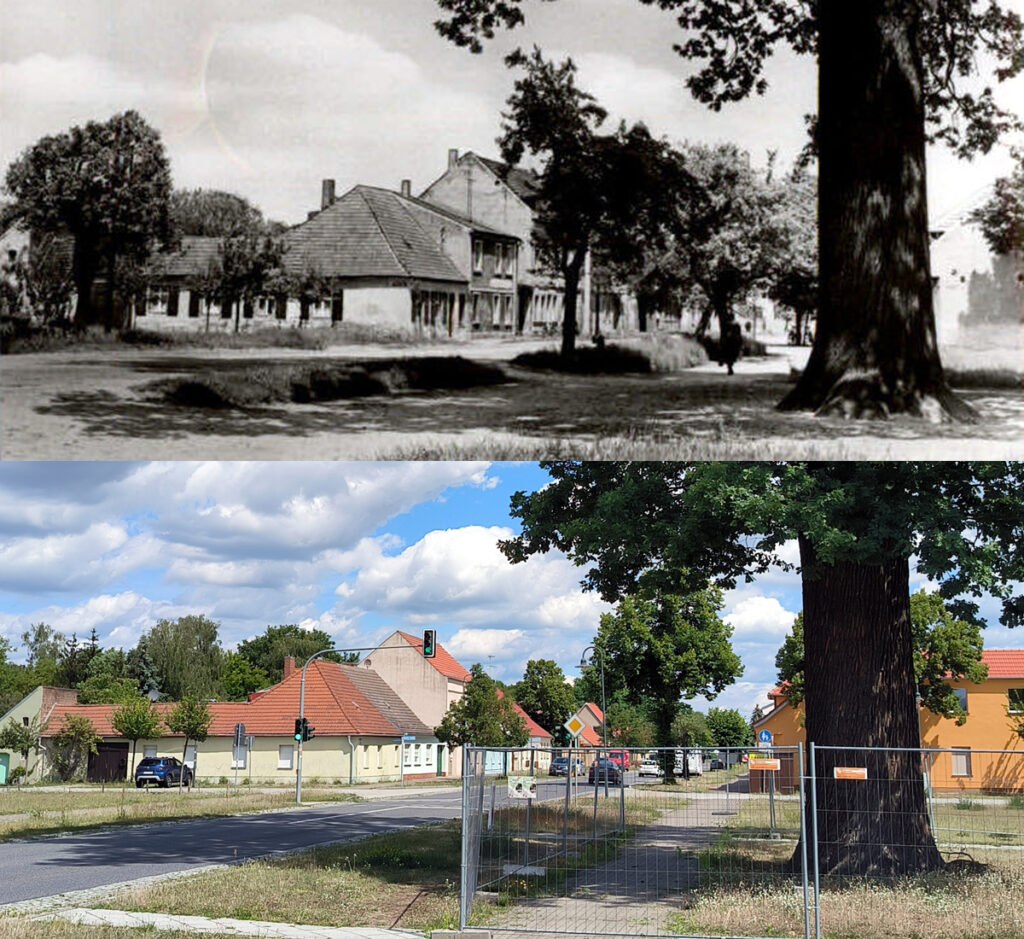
[717, 764]
[560, 767]
[162, 770]
[603, 770]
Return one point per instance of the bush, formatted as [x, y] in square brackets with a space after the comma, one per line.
[17, 775]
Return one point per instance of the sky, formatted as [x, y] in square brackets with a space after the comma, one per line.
[355, 549]
[267, 97]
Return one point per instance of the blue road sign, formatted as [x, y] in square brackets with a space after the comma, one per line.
[408, 737]
[765, 736]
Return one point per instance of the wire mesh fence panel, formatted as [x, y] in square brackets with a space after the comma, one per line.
[628, 842]
[922, 842]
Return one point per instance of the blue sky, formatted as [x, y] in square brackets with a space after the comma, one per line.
[356, 549]
[267, 97]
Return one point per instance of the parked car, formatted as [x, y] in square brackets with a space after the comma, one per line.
[603, 770]
[560, 767]
[651, 768]
[162, 770]
[620, 758]
[717, 764]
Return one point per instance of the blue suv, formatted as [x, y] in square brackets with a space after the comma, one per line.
[162, 770]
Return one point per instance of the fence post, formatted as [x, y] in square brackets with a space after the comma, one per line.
[814, 829]
[568, 797]
[529, 812]
[464, 901]
[803, 845]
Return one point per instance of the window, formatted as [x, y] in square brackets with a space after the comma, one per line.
[24, 722]
[962, 763]
[172, 301]
[149, 752]
[284, 756]
[961, 696]
[417, 756]
[478, 257]
[380, 757]
[1016, 700]
[366, 757]
[194, 300]
[406, 755]
[429, 755]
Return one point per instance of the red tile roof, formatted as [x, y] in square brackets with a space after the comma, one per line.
[193, 257]
[590, 737]
[1004, 663]
[532, 727]
[443, 661]
[367, 232]
[334, 705]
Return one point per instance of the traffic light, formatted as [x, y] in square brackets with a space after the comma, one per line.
[307, 730]
[429, 643]
[299, 721]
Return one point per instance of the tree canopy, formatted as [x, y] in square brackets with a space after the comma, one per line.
[656, 526]
[108, 185]
[729, 728]
[212, 213]
[545, 695]
[187, 655]
[268, 651]
[136, 719]
[482, 718]
[1001, 216]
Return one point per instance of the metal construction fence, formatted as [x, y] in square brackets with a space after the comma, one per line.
[742, 842]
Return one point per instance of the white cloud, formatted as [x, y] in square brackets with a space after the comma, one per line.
[759, 616]
[481, 644]
[59, 561]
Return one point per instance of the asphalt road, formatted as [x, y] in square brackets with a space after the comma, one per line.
[45, 866]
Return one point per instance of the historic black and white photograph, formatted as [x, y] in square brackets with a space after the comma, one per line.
[511, 229]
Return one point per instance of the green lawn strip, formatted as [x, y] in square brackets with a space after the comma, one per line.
[404, 880]
[58, 812]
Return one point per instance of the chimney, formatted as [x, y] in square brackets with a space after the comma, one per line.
[406, 188]
[289, 665]
[327, 193]
[453, 158]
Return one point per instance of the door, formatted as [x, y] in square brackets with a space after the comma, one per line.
[109, 763]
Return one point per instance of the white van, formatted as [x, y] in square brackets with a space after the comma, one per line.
[694, 760]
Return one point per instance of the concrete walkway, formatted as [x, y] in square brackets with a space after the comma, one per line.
[223, 927]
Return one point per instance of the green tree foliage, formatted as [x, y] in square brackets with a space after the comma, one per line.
[140, 666]
[240, 678]
[108, 185]
[650, 526]
[890, 77]
[545, 694]
[71, 746]
[597, 191]
[136, 719]
[247, 266]
[1001, 217]
[629, 725]
[105, 689]
[39, 281]
[664, 646]
[42, 644]
[482, 718]
[690, 729]
[729, 728]
[187, 655]
[944, 646]
[191, 718]
[267, 652]
[19, 738]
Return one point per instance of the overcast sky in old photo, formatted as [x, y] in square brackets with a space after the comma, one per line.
[267, 97]
[355, 549]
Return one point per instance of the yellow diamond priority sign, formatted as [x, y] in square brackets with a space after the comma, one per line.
[574, 725]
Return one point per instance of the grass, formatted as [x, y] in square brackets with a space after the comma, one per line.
[268, 383]
[403, 880]
[25, 812]
[20, 928]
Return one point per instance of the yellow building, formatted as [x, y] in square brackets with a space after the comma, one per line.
[986, 752]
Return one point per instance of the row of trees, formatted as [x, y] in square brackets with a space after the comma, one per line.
[135, 719]
[173, 660]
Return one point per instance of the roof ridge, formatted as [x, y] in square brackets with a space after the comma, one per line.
[380, 227]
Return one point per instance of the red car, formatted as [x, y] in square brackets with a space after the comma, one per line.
[620, 758]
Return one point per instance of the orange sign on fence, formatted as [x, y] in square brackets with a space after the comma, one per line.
[763, 763]
[850, 772]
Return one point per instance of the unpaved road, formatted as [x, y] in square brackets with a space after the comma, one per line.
[92, 404]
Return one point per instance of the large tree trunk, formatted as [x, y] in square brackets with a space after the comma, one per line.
[84, 264]
[571, 275]
[875, 351]
[860, 692]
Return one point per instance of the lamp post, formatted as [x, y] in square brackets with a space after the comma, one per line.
[302, 709]
[604, 708]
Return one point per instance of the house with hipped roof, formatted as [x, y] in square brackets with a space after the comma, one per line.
[363, 732]
[987, 750]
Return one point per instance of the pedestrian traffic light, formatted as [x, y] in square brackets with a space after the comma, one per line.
[299, 721]
[429, 643]
[307, 730]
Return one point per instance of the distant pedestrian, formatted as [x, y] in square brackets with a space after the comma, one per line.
[732, 345]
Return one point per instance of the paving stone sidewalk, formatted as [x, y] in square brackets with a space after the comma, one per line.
[228, 927]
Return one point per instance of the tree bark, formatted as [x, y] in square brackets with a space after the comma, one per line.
[571, 275]
[860, 692]
[84, 264]
[875, 350]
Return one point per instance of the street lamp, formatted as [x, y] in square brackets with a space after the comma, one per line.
[585, 664]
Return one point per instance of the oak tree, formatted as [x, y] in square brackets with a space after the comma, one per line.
[482, 717]
[545, 695]
[106, 184]
[892, 74]
[652, 526]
